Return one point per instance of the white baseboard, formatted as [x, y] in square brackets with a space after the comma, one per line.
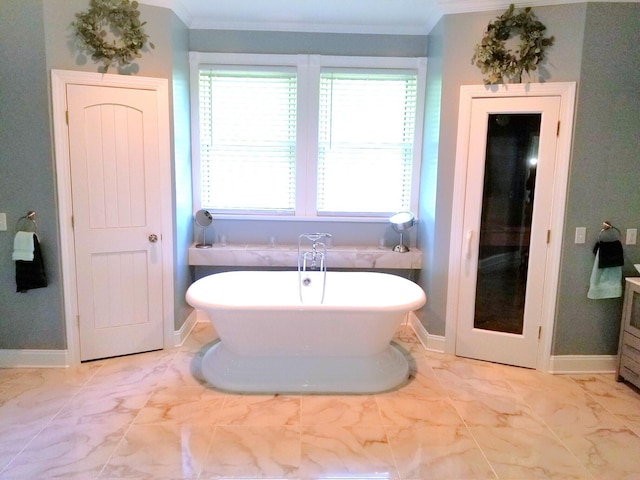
[559, 364]
[30, 358]
[179, 336]
[202, 316]
[34, 358]
[576, 364]
[430, 342]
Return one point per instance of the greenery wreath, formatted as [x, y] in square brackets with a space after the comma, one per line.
[499, 63]
[111, 32]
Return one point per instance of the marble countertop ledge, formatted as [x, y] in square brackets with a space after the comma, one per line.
[247, 255]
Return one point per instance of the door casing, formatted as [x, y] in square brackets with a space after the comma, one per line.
[566, 92]
[59, 81]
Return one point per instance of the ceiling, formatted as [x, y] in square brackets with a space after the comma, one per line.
[401, 17]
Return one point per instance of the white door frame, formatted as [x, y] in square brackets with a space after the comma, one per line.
[566, 91]
[59, 81]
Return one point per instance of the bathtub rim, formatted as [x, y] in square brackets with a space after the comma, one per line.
[194, 298]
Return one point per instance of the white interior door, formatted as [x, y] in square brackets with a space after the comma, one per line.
[115, 186]
[506, 227]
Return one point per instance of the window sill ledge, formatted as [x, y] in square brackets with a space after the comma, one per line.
[287, 256]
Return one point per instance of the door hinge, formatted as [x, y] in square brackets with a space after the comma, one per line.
[66, 116]
[78, 320]
[558, 130]
[73, 223]
[548, 236]
[539, 332]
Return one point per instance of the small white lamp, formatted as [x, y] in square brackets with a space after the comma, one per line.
[402, 222]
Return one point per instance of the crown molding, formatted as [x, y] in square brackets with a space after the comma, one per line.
[448, 7]
[432, 11]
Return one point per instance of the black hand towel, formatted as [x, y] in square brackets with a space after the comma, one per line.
[31, 274]
[611, 254]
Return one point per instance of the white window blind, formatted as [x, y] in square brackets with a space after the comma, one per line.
[366, 138]
[306, 136]
[248, 139]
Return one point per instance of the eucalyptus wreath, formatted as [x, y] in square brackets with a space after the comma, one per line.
[118, 19]
[499, 63]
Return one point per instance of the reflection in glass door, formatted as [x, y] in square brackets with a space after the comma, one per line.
[505, 228]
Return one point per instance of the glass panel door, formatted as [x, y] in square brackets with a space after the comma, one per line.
[505, 228]
[506, 237]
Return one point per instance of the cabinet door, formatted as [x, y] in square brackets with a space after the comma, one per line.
[631, 311]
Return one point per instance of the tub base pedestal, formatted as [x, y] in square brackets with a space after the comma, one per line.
[227, 370]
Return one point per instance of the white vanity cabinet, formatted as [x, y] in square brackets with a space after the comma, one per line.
[629, 350]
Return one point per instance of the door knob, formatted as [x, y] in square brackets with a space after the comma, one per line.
[153, 238]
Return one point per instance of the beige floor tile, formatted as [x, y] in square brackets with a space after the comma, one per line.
[484, 409]
[185, 369]
[423, 383]
[527, 453]
[402, 411]
[425, 452]
[346, 452]
[182, 405]
[104, 404]
[25, 409]
[154, 416]
[14, 436]
[619, 398]
[468, 377]
[253, 452]
[260, 410]
[67, 451]
[160, 452]
[609, 452]
[562, 407]
[407, 340]
[140, 370]
[339, 410]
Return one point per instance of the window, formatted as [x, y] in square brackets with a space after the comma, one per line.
[306, 136]
[248, 132]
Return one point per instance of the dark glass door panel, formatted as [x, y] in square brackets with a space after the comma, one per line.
[505, 228]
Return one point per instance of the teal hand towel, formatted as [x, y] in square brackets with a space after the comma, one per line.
[23, 246]
[605, 282]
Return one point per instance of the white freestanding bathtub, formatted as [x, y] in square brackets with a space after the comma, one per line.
[270, 341]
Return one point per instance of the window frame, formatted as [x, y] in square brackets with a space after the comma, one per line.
[308, 69]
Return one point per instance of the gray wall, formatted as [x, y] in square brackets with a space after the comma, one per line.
[36, 37]
[431, 314]
[604, 174]
[181, 141]
[457, 36]
[230, 41]
[32, 319]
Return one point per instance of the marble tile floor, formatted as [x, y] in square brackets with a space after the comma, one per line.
[152, 416]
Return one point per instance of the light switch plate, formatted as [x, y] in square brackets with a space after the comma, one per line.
[632, 236]
[3, 222]
[581, 235]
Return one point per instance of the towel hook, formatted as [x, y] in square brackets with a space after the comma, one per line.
[29, 217]
[607, 226]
